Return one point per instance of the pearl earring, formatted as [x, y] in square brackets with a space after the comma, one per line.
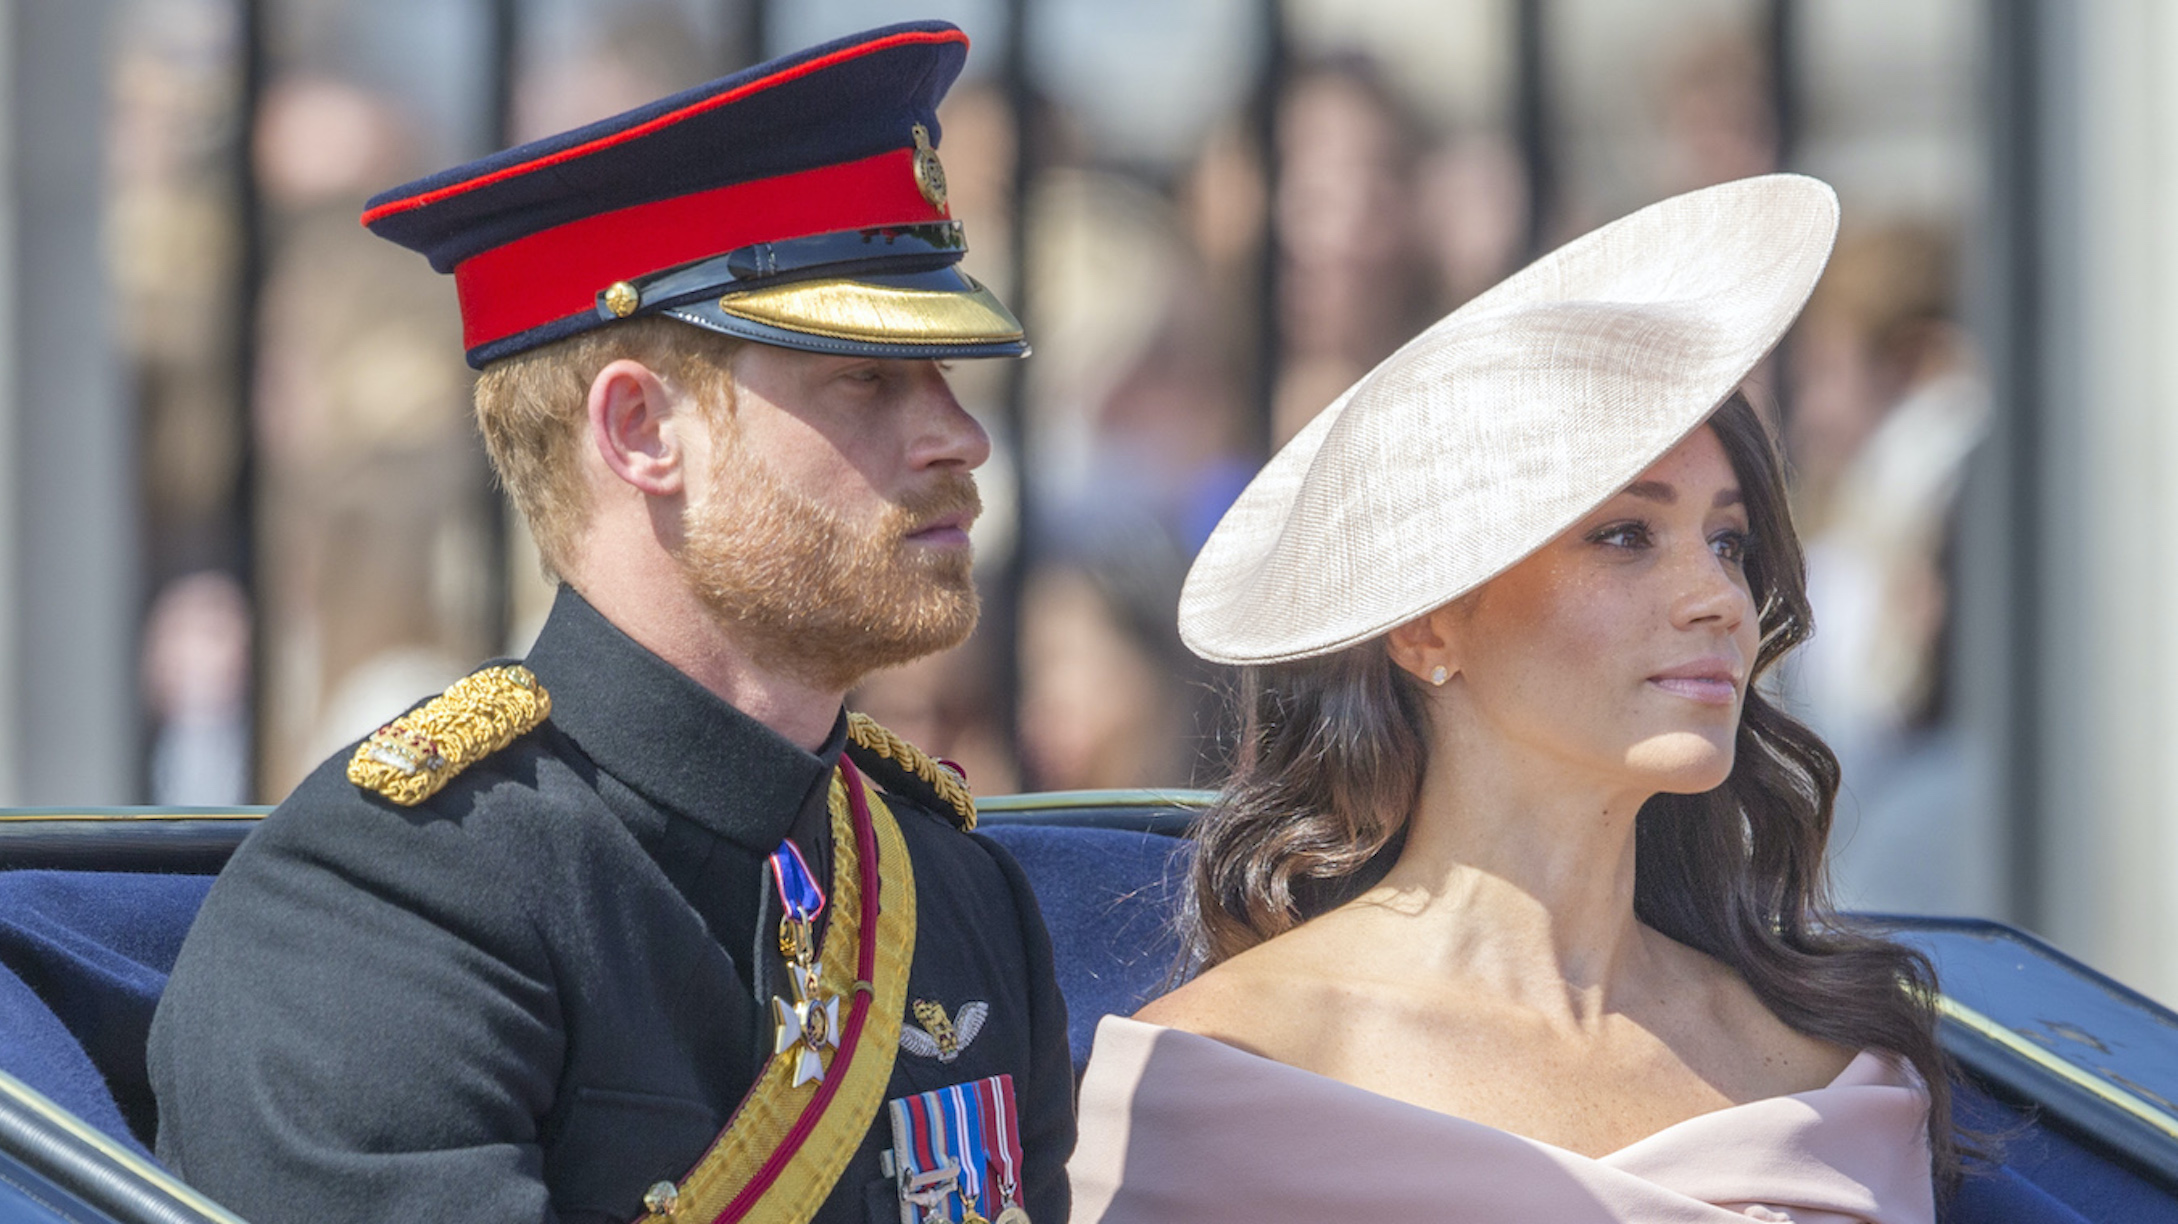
[1439, 676]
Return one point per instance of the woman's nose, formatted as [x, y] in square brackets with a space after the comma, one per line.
[1713, 591]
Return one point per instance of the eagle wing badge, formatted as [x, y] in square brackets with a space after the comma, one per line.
[940, 1036]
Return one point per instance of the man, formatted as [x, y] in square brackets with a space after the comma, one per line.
[646, 927]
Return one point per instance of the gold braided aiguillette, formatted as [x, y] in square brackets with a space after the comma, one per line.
[410, 758]
[950, 786]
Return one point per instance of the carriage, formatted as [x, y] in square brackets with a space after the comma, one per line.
[2072, 1075]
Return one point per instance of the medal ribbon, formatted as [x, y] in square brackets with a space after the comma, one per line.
[799, 893]
[928, 1150]
[945, 1136]
[1001, 1134]
[964, 1120]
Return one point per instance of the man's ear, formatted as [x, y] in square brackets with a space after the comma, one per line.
[1426, 647]
[639, 425]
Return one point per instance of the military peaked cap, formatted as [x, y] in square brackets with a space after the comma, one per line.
[798, 203]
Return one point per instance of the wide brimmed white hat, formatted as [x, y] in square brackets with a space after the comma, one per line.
[1507, 421]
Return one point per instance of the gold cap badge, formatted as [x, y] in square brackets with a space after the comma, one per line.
[929, 172]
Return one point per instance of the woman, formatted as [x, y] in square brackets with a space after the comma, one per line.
[1514, 908]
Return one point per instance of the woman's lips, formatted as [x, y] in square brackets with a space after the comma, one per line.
[1710, 691]
[1707, 681]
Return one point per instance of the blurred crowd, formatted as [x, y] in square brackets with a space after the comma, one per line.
[1199, 277]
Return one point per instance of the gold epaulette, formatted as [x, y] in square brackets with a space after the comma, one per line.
[947, 787]
[410, 758]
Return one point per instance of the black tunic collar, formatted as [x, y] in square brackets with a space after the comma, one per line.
[648, 724]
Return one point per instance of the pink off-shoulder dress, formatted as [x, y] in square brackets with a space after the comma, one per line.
[1178, 1128]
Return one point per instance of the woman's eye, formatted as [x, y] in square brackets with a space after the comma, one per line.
[1621, 535]
[1730, 545]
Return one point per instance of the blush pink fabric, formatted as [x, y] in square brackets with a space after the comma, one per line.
[1177, 1127]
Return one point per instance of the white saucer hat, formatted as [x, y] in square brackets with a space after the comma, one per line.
[1507, 421]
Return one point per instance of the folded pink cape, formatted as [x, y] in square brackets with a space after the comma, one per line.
[1177, 1127]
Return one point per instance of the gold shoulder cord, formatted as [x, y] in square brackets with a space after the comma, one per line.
[774, 1162]
[951, 787]
[410, 758]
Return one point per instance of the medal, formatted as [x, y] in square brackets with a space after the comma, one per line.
[960, 1141]
[1002, 1139]
[811, 1021]
[960, 1109]
[925, 1194]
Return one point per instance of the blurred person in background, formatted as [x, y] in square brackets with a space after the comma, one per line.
[373, 555]
[1108, 697]
[196, 685]
[1888, 406]
[1718, 124]
[648, 925]
[1140, 418]
[1353, 275]
[944, 703]
[1473, 201]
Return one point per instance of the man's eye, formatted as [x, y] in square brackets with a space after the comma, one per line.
[1621, 535]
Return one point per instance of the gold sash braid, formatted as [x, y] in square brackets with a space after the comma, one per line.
[785, 1147]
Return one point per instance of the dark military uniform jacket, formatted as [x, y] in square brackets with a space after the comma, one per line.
[546, 988]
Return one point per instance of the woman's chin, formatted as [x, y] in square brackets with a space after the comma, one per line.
[1682, 762]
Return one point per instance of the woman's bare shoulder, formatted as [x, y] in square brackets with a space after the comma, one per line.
[1259, 1001]
[1751, 1052]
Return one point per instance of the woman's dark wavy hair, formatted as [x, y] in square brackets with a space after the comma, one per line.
[1330, 762]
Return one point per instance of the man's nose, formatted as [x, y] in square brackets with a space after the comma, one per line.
[946, 434]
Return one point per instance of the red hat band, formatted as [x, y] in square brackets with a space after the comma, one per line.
[561, 271]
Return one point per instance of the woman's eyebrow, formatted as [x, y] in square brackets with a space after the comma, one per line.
[1663, 493]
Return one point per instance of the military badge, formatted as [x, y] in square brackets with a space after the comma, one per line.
[929, 171]
[942, 1037]
[956, 1154]
[809, 1024]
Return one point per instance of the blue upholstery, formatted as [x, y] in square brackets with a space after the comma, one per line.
[1108, 896]
[2047, 1177]
[36, 1048]
[2001, 1196]
[96, 948]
